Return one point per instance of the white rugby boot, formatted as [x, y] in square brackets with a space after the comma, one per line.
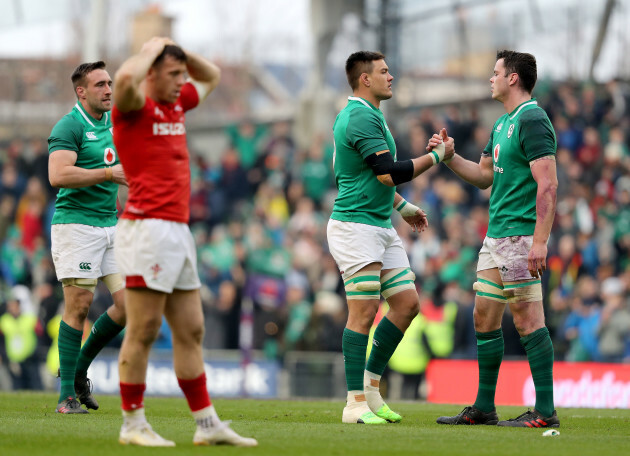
[221, 434]
[142, 434]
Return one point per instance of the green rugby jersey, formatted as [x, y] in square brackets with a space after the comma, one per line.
[516, 139]
[92, 140]
[359, 131]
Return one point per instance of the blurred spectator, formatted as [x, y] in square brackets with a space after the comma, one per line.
[583, 321]
[589, 155]
[316, 171]
[20, 328]
[12, 182]
[565, 266]
[28, 217]
[327, 322]
[299, 311]
[233, 178]
[555, 319]
[7, 209]
[245, 138]
[614, 324]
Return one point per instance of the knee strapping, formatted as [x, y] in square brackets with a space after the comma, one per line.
[489, 290]
[363, 285]
[522, 292]
[397, 280]
[114, 282]
[85, 284]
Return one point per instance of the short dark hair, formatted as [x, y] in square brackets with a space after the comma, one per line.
[521, 63]
[170, 49]
[359, 63]
[80, 72]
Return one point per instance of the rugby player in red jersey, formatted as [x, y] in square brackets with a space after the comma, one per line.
[154, 248]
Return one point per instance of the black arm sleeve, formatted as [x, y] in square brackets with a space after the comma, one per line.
[382, 164]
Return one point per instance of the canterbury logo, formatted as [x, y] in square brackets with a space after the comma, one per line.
[85, 266]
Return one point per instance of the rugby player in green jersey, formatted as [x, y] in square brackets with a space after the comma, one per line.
[519, 163]
[84, 164]
[365, 246]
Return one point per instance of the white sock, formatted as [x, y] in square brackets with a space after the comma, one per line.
[371, 382]
[134, 418]
[206, 418]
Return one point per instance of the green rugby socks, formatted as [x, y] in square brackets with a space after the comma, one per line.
[489, 356]
[104, 330]
[69, 346]
[539, 349]
[354, 347]
[386, 338]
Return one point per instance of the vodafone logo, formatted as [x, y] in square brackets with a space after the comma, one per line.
[109, 156]
[495, 153]
[589, 390]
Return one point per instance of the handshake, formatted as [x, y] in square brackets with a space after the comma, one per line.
[441, 148]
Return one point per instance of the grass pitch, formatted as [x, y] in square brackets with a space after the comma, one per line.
[29, 427]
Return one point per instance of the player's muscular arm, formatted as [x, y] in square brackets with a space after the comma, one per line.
[480, 174]
[63, 173]
[392, 173]
[203, 73]
[544, 173]
[127, 93]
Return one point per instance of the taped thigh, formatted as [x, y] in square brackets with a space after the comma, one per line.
[489, 290]
[85, 284]
[114, 282]
[397, 280]
[522, 292]
[363, 285]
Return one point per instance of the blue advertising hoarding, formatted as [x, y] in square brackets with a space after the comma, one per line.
[225, 378]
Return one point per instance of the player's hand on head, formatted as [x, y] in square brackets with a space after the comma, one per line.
[156, 44]
[118, 175]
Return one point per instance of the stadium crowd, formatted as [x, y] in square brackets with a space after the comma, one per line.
[259, 218]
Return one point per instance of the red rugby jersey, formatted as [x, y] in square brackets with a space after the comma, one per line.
[151, 145]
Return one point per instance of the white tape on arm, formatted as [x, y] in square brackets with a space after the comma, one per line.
[437, 154]
[202, 90]
[405, 208]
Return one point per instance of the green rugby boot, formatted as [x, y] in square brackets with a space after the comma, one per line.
[388, 414]
[360, 413]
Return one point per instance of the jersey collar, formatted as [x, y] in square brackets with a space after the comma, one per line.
[363, 101]
[88, 118]
[514, 113]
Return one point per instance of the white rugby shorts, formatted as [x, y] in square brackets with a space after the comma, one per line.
[83, 251]
[508, 255]
[355, 245]
[156, 254]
